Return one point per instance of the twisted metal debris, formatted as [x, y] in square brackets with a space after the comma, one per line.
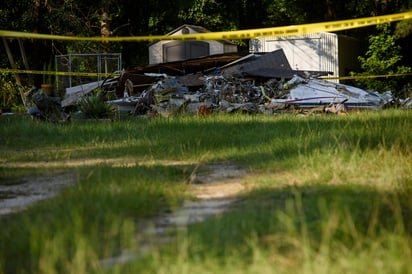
[167, 96]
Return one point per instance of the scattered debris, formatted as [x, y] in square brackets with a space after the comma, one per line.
[74, 94]
[407, 103]
[255, 83]
[44, 107]
[312, 92]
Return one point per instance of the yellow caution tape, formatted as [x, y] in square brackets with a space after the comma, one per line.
[365, 76]
[230, 35]
[60, 73]
[95, 74]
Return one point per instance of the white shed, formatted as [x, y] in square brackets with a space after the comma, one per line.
[314, 52]
[169, 50]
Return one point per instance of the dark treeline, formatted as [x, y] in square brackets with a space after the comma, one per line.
[131, 17]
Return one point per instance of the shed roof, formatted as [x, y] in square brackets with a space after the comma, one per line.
[197, 29]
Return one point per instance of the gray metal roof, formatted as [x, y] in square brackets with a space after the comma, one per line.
[197, 29]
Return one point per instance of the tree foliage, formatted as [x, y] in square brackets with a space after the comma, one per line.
[153, 17]
[382, 58]
[9, 94]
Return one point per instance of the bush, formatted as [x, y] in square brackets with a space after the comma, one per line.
[94, 106]
[9, 92]
[382, 58]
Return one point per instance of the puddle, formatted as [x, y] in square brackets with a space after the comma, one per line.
[16, 197]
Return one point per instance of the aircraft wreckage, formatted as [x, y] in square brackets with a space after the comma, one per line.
[255, 83]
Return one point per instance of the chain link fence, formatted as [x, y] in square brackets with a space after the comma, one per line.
[96, 65]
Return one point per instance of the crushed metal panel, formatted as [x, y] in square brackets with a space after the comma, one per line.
[251, 56]
[74, 94]
[191, 80]
[316, 92]
[275, 60]
[127, 104]
[188, 66]
[234, 68]
[84, 87]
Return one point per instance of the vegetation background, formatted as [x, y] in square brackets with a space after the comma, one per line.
[136, 18]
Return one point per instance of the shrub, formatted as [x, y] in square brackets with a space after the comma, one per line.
[94, 106]
[382, 58]
[9, 92]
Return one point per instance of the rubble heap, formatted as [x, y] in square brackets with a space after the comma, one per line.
[250, 84]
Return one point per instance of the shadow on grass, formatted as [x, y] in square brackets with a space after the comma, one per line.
[101, 209]
[349, 216]
[109, 195]
[253, 140]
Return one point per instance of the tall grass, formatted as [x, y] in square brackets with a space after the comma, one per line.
[327, 194]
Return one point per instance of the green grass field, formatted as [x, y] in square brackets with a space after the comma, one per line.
[325, 194]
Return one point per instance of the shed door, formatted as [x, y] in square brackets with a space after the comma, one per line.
[302, 53]
[180, 50]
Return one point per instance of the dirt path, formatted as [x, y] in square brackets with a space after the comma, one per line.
[209, 182]
[16, 197]
[213, 188]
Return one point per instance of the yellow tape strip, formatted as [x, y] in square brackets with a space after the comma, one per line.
[365, 76]
[230, 35]
[94, 74]
[60, 73]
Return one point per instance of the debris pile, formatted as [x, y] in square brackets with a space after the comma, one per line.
[251, 84]
[230, 94]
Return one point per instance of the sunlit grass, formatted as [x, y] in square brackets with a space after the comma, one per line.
[326, 194]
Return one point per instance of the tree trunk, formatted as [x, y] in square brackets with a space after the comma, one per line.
[105, 24]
